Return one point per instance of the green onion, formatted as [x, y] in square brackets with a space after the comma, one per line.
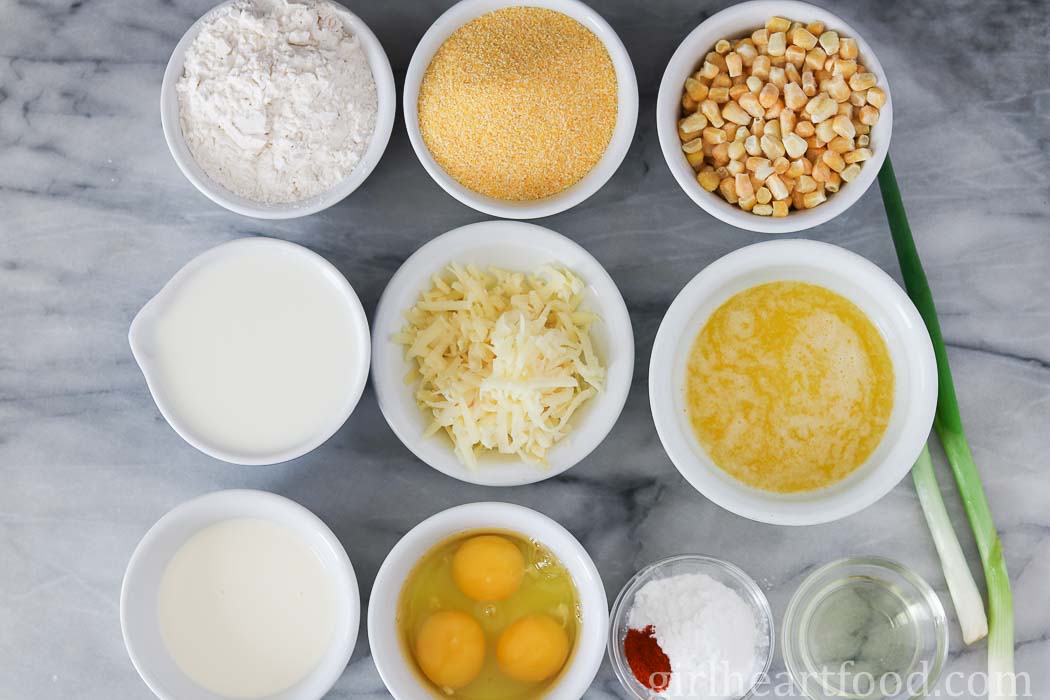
[948, 426]
[967, 599]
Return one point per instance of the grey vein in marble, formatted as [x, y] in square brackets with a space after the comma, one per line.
[95, 217]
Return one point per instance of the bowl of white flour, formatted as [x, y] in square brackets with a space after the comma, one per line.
[277, 109]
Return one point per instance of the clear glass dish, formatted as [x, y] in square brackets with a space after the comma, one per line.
[864, 628]
[723, 572]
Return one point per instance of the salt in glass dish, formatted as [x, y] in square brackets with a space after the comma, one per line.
[725, 573]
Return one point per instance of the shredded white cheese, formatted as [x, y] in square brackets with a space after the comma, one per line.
[503, 359]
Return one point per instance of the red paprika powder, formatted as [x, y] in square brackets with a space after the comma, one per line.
[647, 660]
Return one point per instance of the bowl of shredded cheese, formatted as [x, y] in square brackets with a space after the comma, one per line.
[503, 353]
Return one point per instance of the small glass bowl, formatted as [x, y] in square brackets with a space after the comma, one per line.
[910, 630]
[721, 571]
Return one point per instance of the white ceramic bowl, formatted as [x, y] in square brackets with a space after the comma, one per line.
[387, 102]
[740, 20]
[623, 133]
[383, 637]
[138, 596]
[515, 246]
[886, 305]
[145, 322]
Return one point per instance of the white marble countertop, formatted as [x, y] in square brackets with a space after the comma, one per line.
[95, 217]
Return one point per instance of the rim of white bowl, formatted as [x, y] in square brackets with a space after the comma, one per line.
[619, 144]
[324, 268]
[383, 638]
[886, 305]
[470, 243]
[386, 96]
[734, 21]
[197, 513]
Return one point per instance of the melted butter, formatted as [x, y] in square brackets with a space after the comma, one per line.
[789, 387]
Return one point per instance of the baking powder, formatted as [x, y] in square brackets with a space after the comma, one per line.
[708, 632]
[277, 101]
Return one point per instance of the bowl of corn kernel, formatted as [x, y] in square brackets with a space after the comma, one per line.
[774, 116]
[520, 108]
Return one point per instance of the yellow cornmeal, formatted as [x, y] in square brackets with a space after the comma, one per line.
[789, 387]
[519, 104]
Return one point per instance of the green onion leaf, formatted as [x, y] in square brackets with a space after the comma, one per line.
[948, 426]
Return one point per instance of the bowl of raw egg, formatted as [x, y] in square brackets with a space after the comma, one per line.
[488, 601]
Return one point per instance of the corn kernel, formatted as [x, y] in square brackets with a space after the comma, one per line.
[777, 24]
[778, 76]
[821, 107]
[722, 46]
[728, 189]
[777, 44]
[795, 145]
[721, 80]
[876, 97]
[833, 183]
[737, 90]
[752, 104]
[708, 71]
[795, 56]
[860, 154]
[813, 199]
[805, 129]
[758, 126]
[841, 145]
[760, 68]
[693, 146]
[747, 204]
[772, 128]
[829, 41]
[713, 135]
[792, 75]
[815, 59]
[689, 105]
[710, 110]
[869, 115]
[848, 48]
[754, 83]
[763, 172]
[837, 89]
[752, 146]
[695, 89]
[772, 146]
[821, 171]
[763, 209]
[787, 121]
[744, 190]
[780, 209]
[696, 159]
[843, 126]
[776, 187]
[717, 59]
[760, 36]
[809, 83]
[708, 179]
[720, 154]
[794, 98]
[768, 97]
[735, 167]
[747, 53]
[863, 140]
[763, 195]
[734, 64]
[834, 161]
[850, 172]
[862, 81]
[692, 123]
[802, 37]
[781, 165]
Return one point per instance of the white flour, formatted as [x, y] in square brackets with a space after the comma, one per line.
[708, 632]
[277, 101]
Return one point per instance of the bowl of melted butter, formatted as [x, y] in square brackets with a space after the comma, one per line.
[793, 382]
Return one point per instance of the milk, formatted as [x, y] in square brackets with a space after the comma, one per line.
[254, 350]
[246, 608]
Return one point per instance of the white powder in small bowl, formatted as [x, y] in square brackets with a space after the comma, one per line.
[709, 633]
[277, 101]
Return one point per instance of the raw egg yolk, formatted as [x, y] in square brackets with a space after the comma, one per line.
[532, 649]
[488, 567]
[450, 649]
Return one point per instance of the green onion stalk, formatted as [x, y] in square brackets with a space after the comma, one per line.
[947, 425]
